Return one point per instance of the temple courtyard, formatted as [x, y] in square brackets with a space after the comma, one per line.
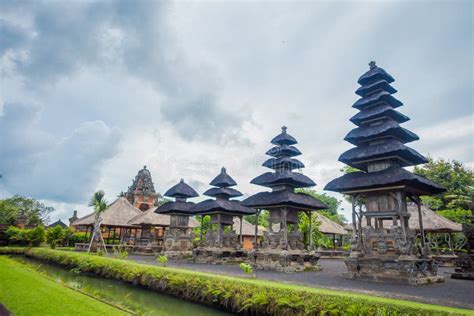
[454, 293]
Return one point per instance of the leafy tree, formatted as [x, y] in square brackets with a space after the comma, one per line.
[34, 212]
[455, 177]
[332, 203]
[262, 218]
[459, 215]
[35, 236]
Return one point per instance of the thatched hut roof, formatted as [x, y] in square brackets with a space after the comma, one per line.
[118, 213]
[247, 228]
[181, 190]
[432, 222]
[328, 226]
[150, 218]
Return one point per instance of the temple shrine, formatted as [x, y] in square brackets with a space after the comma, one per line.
[380, 190]
[284, 249]
[141, 193]
[221, 243]
[178, 238]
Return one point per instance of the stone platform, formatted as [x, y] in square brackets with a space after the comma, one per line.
[218, 255]
[464, 267]
[403, 270]
[284, 260]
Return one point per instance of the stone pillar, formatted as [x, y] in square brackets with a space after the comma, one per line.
[310, 230]
[284, 227]
[240, 233]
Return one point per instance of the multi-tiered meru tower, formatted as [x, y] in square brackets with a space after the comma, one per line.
[221, 243]
[382, 187]
[283, 249]
[179, 236]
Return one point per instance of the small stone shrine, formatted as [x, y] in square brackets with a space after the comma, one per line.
[284, 250]
[141, 193]
[221, 244]
[465, 262]
[178, 237]
[381, 189]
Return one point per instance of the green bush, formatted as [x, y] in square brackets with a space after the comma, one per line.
[237, 295]
[23, 237]
[54, 236]
[35, 236]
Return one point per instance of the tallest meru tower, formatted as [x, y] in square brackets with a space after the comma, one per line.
[384, 247]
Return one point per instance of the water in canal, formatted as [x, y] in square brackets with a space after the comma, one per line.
[133, 298]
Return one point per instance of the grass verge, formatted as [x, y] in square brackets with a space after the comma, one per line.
[26, 292]
[235, 294]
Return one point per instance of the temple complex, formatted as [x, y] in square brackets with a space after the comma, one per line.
[178, 239]
[284, 250]
[141, 193]
[382, 187]
[221, 243]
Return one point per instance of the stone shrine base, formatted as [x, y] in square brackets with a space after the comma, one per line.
[465, 267]
[284, 260]
[179, 255]
[402, 270]
[216, 255]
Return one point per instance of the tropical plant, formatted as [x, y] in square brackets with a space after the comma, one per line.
[162, 259]
[34, 212]
[247, 269]
[54, 236]
[33, 237]
[99, 203]
[120, 252]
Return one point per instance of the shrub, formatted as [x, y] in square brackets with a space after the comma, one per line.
[23, 237]
[162, 259]
[247, 268]
[244, 296]
[35, 236]
[54, 236]
[120, 252]
[76, 237]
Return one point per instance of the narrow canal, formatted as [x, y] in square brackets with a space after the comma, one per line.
[133, 298]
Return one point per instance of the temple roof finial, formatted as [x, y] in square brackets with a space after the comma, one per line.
[182, 180]
[283, 129]
[144, 167]
[372, 64]
[223, 170]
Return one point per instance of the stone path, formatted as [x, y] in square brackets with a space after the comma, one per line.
[456, 293]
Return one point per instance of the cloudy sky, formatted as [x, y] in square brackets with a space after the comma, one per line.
[92, 91]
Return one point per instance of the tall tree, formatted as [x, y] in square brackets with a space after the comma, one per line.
[99, 204]
[455, 177]
[34, 212]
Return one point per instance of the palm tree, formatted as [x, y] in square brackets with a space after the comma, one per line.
[100, 204]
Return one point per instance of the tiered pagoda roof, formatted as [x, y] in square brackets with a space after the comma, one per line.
[180, 192]
[141, 185]
[379, 139]
[283, 180]
[222, 192]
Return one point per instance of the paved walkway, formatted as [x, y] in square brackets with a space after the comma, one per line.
[456, 293]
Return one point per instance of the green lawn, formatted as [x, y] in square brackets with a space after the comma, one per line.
[26, 292]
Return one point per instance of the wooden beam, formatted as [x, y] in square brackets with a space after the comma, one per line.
[241, 238]
[310, 230]
[256, 229]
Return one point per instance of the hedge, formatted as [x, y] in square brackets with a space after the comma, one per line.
[238, 295]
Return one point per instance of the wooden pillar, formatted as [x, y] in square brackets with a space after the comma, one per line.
[308, 213]
[354, 224]
[420, 221]
[200, 236]
[256, 230]
[241, 238]
[401, 210]
[284, 227]
[219, 230]
[334, 241]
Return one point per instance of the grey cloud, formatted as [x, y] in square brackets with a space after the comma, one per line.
[135, 37]
[33, 162]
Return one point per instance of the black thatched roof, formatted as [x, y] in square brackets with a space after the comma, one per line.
[374, 74]
[284, 138]
[175, 208]
[221, 206]
[225, 192]
[359, 156]
[377, 112]
[58, 223]
[375, 86]
[393, 176]
[283, 163]
[294, 179]
[181, 190]
[282, 198]
[223, 180]
[377, 98]
[283, 151]
[389, 128]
